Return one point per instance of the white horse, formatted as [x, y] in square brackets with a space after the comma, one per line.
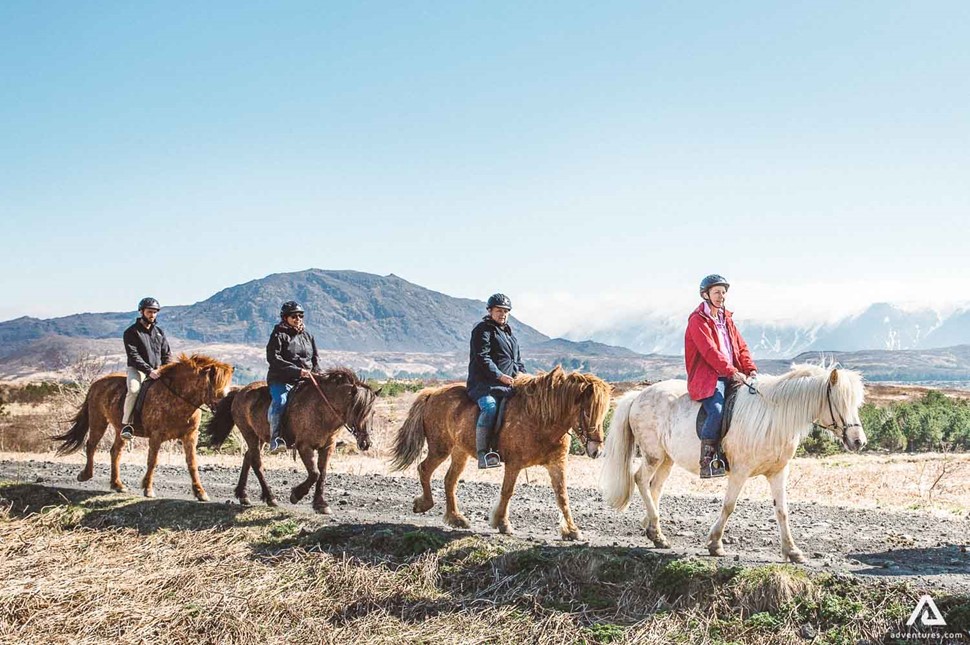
[765, 431]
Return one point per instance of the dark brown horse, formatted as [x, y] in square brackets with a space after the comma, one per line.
[171, 410]
[536, 433]
[315, 411]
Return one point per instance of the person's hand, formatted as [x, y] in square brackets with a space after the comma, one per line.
[753, 375]
[153, 374]
[739, 378]
[304, 373]
[505, 379]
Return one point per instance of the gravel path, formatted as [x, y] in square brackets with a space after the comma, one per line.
[926, 549]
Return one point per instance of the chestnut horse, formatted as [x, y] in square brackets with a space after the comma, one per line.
[768, 423]
[535, 433]
[171, 410]
[315, 411]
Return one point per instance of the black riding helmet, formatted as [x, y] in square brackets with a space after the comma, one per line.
[712, 281]
[148, 303]
[290, 307]
[500, 300]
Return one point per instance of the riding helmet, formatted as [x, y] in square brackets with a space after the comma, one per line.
[291, 307]
[500, 300]
[148, 303]
[712, 281]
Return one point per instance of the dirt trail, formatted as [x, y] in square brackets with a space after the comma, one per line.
[927, 549]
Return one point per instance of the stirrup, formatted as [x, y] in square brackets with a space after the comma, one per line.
[127, 432]
[716, 464]
[490, 459]
[277, 446]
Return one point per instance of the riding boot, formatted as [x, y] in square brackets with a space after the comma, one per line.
[276, 443]
[487, 458]
[711, 463]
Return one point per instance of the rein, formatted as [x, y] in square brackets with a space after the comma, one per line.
[329, 405]
[172, 390]
[845, 426]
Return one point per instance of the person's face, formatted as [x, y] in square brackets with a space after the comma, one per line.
[294, 320]
[499, 314]
[717, 295]
[149, 315]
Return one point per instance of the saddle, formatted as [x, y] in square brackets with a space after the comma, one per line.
[285, 430]
[140, 402]
[730, 395]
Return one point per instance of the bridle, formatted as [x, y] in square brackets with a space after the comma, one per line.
[350, 427]
[582, 429]
[842, 425]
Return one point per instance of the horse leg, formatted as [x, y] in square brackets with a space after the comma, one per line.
[96, 427]
[147, 483]
[426, 468]
[649, 471]
[735, 484]
[568, 528]
[499, 517]
[299, 492]
[778, 483]
[453, 516]
[240, 491]
[188, 447]
[116, 484]
[323, 456]
[256, 461]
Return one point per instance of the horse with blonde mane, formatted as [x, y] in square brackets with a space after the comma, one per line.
[171, 410]
[535, 433]
[768, 423]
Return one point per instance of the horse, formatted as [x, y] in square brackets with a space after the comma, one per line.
[171, 410]
[770, 419]
[536, 433]
[315, 411]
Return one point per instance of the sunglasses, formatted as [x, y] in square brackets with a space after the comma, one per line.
[295, 316]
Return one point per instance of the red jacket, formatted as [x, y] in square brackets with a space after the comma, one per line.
[702, 353]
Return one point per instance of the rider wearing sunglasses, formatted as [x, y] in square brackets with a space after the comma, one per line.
[292, 355]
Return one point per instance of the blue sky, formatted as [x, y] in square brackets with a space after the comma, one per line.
[586, 158]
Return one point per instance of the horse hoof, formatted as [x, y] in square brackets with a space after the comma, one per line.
[149, 492]
[202, 497]
[797, 557]
[271, 501]
[422, 505]
[457, 521]
[294, 498]
[504, 528]
[244, 501]
[717, 551]
[83, 476]
[572, 535]
[323, 510]
[662, 543]
[118, 488]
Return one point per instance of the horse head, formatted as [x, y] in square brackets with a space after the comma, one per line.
[357, 399]
[203, 377]
[593, 402]
[839, 413]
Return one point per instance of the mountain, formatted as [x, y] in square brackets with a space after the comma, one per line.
[881, 326]
[346, 310]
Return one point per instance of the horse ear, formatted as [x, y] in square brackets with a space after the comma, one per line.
[834, 377]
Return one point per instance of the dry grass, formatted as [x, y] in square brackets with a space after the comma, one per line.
[84, 567]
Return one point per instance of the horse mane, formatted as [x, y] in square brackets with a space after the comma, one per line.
[341, 375]
[550, 395]
[788, 404]
[196, 362]
[362, 404]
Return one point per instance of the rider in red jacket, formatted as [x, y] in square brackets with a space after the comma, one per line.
[715, 353]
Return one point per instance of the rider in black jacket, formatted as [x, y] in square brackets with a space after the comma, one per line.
[147, 350]
[292, 355]
[493, 362]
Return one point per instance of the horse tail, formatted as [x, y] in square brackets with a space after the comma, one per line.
[220, 425]
[410, 438]
[73, 439]
[616, 476]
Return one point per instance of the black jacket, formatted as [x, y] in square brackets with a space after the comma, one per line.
[288, 352]
[147, 349]
[494, 351]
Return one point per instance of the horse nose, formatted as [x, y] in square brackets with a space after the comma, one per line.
[593, 449]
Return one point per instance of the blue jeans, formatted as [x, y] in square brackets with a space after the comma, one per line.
[714, 405]
[278, 393]
[488, 407]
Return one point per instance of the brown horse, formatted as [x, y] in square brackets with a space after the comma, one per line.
[315, 411]
[171, 410]
[535, 433]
